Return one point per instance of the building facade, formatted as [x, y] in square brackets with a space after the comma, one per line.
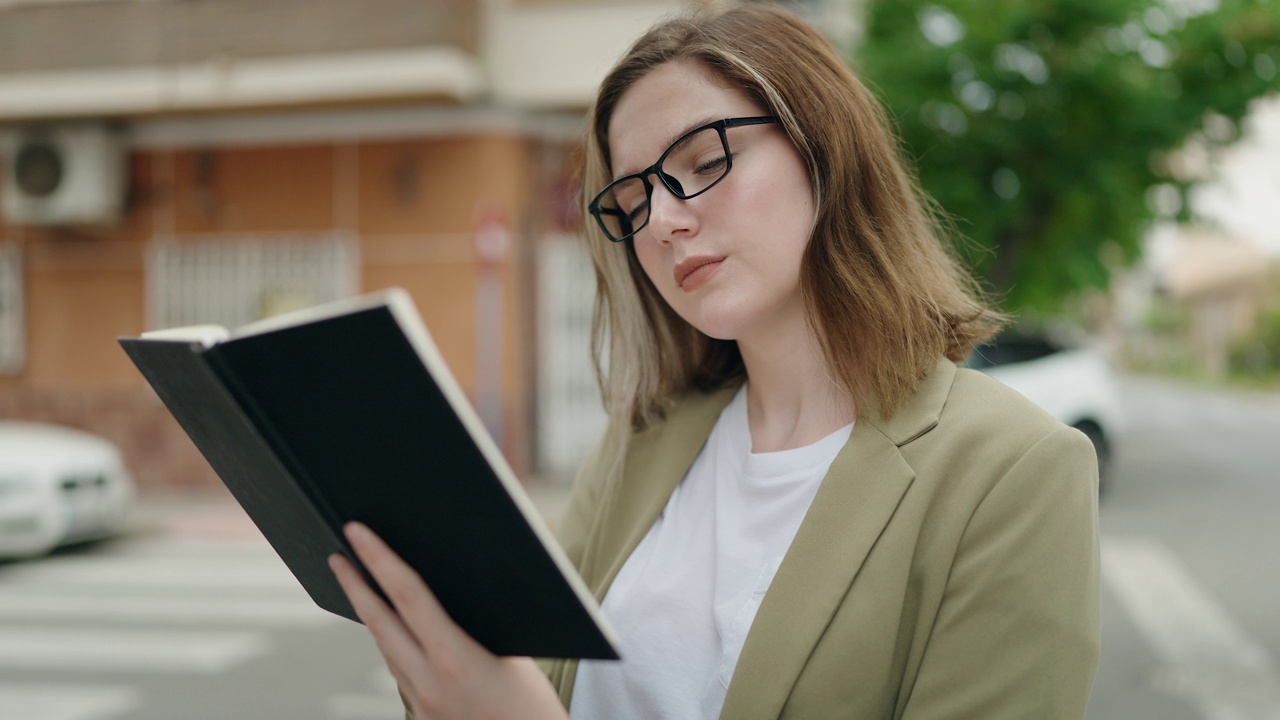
[171, 163]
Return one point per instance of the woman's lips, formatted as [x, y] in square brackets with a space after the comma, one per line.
[694, 272]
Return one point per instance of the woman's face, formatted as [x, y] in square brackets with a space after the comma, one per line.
[727, 261]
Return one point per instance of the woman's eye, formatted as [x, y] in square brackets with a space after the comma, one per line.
[638, 211]
[713, 166]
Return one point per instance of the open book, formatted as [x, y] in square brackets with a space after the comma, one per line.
[347, 412]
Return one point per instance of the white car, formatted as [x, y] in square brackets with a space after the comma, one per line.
[1071, 380]
[58, 486]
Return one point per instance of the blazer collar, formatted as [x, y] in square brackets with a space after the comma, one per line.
[856, 500]
[921, 412]
[656, 463]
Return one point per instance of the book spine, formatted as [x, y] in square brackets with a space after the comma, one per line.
[231, 381]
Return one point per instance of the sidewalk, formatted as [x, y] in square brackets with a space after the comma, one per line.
[215, 515]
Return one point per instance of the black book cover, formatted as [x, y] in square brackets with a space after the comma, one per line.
[314, 424]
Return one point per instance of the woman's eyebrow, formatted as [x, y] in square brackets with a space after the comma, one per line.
[704, 120]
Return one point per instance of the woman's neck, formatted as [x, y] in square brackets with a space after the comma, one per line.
[793, 400]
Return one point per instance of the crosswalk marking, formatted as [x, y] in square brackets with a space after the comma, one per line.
[140, 609]
[49, 701]
[1208, 657]
[62, 648]
[281, 611]
[260, 571]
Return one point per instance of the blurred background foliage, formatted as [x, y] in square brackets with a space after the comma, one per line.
[1053, 132]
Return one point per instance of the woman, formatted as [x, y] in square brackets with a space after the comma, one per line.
[801, 508]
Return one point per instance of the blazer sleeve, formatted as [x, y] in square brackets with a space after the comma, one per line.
[1017, 632]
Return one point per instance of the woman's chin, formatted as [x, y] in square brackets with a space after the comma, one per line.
[730, 314]
[719, 328]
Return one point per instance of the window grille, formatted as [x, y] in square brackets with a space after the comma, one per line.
[12, 348]
[571, 415]
[231, 280]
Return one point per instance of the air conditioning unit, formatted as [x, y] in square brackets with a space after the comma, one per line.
[73, 174]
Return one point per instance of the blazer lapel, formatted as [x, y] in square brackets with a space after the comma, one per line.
[656, 463]
[856, 500]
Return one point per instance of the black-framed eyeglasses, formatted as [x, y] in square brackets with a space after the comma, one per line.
[691, 166]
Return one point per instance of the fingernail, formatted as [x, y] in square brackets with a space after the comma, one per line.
[335, 562]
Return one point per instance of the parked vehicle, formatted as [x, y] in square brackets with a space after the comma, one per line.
[58, 486]
[1071, 379]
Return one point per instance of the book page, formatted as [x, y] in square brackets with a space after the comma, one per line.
[206, 335]
[336, 308]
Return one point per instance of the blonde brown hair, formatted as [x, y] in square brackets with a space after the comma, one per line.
[885, 297]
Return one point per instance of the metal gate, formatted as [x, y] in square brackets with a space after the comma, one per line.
[231, 280]
[12, 347]
[571, 416]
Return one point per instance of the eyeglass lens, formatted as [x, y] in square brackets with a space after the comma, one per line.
[689, 167]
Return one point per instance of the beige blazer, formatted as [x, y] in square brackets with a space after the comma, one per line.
[948, 567]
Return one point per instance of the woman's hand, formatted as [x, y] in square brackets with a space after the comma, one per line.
[441, 670]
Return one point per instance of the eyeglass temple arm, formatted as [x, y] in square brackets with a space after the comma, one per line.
[765, 120]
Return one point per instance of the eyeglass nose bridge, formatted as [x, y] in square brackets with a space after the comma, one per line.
[670, 182]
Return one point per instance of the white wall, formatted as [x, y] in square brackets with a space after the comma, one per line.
[544, 56]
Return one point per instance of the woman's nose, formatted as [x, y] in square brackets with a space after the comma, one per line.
[669, 216]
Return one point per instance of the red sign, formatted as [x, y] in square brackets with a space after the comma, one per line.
[493, 239]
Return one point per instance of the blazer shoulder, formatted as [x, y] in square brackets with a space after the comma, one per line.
[985, 429]
[983, 401]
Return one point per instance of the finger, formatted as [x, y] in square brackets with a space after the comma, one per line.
[404, 656]
[413, 601]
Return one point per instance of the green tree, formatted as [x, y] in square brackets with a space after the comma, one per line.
[1042, 127]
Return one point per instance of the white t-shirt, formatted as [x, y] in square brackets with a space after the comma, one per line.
[684, 600]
